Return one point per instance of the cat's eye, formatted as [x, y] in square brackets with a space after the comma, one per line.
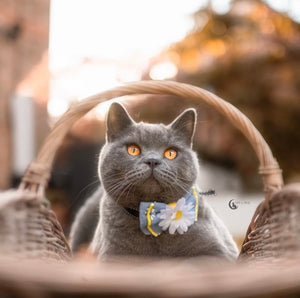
[133, 150]
[170, 153]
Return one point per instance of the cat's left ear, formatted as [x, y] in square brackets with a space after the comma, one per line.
[117, 121]
[185, 125]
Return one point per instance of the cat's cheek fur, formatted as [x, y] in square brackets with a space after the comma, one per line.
[190, 162]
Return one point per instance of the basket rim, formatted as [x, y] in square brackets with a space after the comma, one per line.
[125, 277]
[38, 173]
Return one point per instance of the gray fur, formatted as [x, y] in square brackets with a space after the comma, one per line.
[86, 222]
[127, 180]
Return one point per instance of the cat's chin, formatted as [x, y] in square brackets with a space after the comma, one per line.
[149, 190]
[151, 187]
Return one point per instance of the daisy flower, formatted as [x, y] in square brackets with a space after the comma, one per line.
[177, 218]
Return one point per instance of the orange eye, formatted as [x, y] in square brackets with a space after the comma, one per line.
[170, 153]
[133, 150]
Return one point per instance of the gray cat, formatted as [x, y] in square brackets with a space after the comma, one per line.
[150, 165]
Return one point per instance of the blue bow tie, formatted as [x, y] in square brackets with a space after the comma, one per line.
[156, 217]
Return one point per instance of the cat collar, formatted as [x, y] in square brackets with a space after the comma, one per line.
[156, 217]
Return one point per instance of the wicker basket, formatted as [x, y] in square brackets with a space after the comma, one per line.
[28, 228]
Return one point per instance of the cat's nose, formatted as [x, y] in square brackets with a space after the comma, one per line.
[152, 162]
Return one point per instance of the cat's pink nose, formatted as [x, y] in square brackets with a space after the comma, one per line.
[152, 162]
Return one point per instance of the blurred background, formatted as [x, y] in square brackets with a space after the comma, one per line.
[55, 53]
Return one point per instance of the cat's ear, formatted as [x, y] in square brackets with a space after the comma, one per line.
[185, 124]
[117, 121]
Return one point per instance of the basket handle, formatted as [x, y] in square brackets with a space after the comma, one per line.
[38, 173]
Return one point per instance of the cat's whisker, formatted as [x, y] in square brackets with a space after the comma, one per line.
[116, 176]
[115, 187]
[123, 191]
[183, 188]
[118, 188]
[172, 191]
[74, 201]
[129, 191]
[183, 179]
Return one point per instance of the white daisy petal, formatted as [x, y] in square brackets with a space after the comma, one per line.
[172, 228]
[180, 230]
[184, 227]
[189, 221]
[165, 227]
[162, 215]
[165, 224]
[180, 204]
[169, 209]
[176, 224]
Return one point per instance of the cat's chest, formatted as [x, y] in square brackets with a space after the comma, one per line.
[122, 234]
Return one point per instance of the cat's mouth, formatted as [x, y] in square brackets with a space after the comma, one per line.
[149, 189]
[152, 184]
[149, 184]
[155, 180]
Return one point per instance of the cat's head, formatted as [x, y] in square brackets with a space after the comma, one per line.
[147, 162]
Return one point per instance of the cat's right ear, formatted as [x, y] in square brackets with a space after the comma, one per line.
[117, 121]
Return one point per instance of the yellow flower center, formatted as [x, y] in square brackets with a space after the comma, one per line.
[178, 214]
[173, 204]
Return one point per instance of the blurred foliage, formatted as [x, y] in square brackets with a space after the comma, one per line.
[249, 56]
